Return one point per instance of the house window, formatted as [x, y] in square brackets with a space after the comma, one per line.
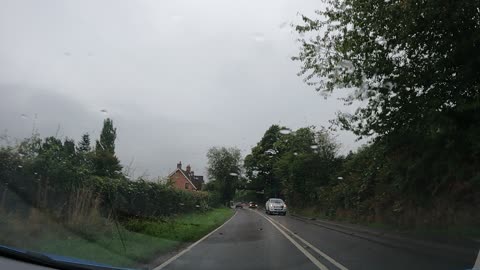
[186, 185]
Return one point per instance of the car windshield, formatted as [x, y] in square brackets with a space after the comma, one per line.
[240, 134]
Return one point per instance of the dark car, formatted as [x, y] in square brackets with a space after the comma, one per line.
[252, 205]
[238, 205]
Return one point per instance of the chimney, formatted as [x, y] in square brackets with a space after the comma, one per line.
[193, 173]
[179, 165]
[188, 169]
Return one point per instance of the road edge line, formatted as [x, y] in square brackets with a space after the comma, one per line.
[314, 260]
[176, 256]
[321, 253]
[463, 255]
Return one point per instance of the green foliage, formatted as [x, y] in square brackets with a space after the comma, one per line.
[107, 137]
[404, 181]
[105, 161]
[46, 174]
[143, 199]
[84, 144]
[259, 164]
[51, 191]
[408, 66]
[410, 61]
[292, 164]
[224, 169]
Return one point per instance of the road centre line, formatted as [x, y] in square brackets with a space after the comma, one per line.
[328, 258]
[314, 260]
[164, 264]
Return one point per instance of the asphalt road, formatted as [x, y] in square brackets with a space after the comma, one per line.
[253, 240]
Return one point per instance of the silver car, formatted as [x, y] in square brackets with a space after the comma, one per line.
[275, 206]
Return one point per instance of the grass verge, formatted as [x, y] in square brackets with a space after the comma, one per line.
[131, 244]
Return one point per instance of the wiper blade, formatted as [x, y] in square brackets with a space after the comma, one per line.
[53, 261]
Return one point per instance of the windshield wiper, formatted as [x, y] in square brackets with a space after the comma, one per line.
[51, 261]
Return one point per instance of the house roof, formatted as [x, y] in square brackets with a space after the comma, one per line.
[186, 176]
[197, 180]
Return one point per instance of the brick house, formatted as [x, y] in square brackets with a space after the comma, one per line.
[185, 179]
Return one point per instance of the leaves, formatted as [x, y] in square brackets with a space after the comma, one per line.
[105, 161]
[224, 169]
[292, 164]
[408, 60]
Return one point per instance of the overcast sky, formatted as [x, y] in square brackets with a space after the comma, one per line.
[177, 77]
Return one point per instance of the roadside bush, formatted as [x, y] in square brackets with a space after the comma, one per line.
[56, 178]
[147, 199]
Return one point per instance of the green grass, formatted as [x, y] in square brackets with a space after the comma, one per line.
[139, 248]
[184, 228]
[103, 243]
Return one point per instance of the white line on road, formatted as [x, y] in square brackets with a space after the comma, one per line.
[328, 258]
[302, 249]
[477, 262]
[163, 265]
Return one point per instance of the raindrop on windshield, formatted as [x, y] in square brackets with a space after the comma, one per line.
[24, 116]
[346, 64]
[285, 131]
[314, 146]
[67, 53]
[259, 37]
[283, 25]
[20, 166]
[270, 152]
[295, 154]
[234, 174]
[104, 111]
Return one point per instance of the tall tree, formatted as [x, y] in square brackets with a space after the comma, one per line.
[224, 166]
[259, 164]
[107, 137]
[292, 164]
[413, 63]
[84, 145]
[106, 163]
[85, 156]
[69, 146]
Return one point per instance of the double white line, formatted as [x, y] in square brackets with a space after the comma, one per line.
[286, 232]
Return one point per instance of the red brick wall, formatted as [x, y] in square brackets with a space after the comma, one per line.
[179, 181]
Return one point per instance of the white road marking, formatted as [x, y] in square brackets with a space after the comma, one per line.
[477, 262]
[297, 245]
[163, 265]
[328, 258]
